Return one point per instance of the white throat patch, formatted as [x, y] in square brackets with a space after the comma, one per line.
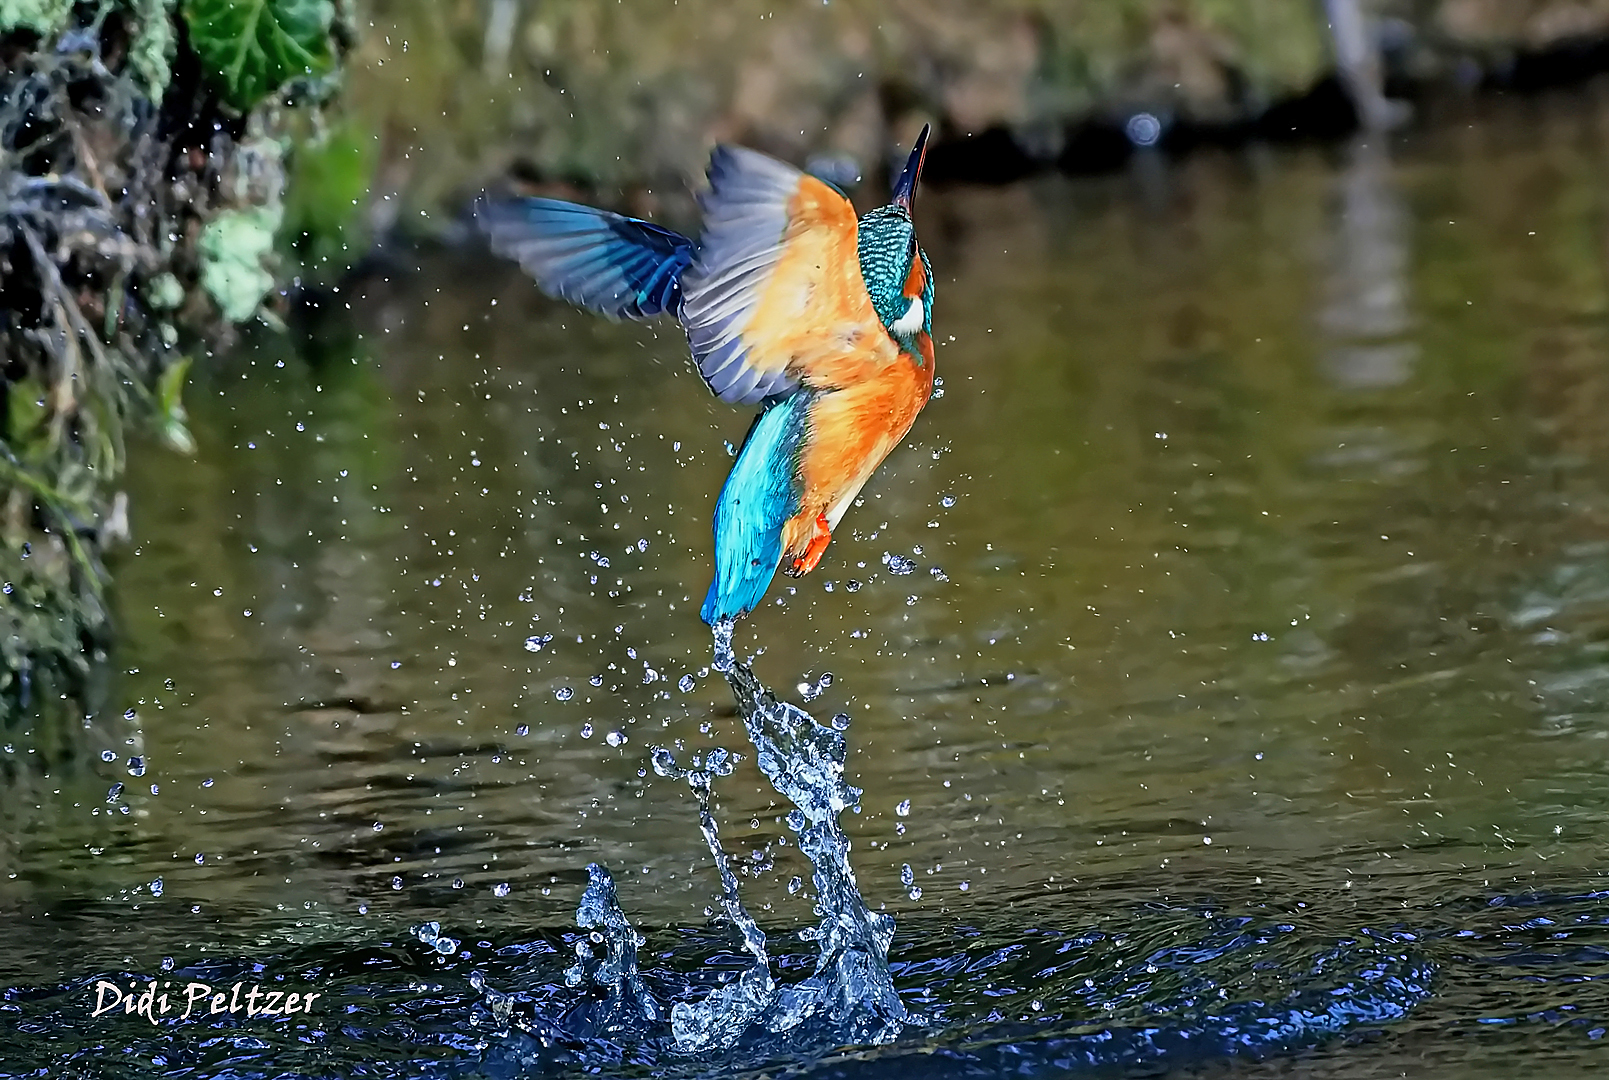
[910, 322]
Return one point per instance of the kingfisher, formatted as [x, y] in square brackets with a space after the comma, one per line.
[790, 302]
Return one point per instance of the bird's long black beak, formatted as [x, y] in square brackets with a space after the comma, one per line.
[905, 186]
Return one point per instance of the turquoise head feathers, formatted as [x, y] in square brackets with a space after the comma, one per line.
[888, 247]
[886, 239]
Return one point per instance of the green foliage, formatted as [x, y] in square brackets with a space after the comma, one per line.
[27, 415]
[98, 288]
[44, 17]
[252, 48]
[172, 420]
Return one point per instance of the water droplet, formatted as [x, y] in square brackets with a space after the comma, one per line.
[114, 792]
[207, 782]
[904, 808]
[686, 684]
[500, 889]
[852, 585]
[458, 883]
[840, 721]
[136, 766]
[907, 876]
[108, 755]
[898, 565]
[535, 642]
[1143, 129]
[795, 883]
[596, 680]
[586, 731]
[523, 730]
[156, 887]
[615, 738]
[396, 883]
[378, 826]
[915, 892]
[564, 693]
[201, 857]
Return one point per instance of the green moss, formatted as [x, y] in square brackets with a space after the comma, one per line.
[165, 293]
[233, 248]
[152, 50]
[44, 17]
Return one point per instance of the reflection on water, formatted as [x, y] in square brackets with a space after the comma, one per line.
[1366, 309]
[1173, 639]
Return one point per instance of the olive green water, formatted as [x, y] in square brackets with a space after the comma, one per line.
[1261, 563]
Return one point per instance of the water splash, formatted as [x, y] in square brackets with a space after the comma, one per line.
[724, 660]
[851, 992]
[606, 961]
[720, 1020]
[850, 995]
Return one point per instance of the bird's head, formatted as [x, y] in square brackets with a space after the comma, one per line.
[893, 264]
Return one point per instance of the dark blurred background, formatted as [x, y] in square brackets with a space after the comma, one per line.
[625, 99]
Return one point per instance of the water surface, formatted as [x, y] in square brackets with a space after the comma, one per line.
[1233, 631]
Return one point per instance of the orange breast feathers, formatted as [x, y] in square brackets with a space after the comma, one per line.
[814, 318]
[851, 431]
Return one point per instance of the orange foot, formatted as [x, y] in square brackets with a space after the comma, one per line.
[813, 552]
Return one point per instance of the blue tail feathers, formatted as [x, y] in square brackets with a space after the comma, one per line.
[615, 265]
[760, 494]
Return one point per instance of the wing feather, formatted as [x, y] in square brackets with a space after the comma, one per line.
[774, 298]
[606, 262]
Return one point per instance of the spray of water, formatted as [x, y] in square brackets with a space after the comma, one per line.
[850, 996]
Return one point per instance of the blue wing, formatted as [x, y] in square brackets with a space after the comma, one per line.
[605, 262]
[760, 495]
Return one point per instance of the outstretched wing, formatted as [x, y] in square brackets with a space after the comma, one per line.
[615, 265]
[774, 298]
